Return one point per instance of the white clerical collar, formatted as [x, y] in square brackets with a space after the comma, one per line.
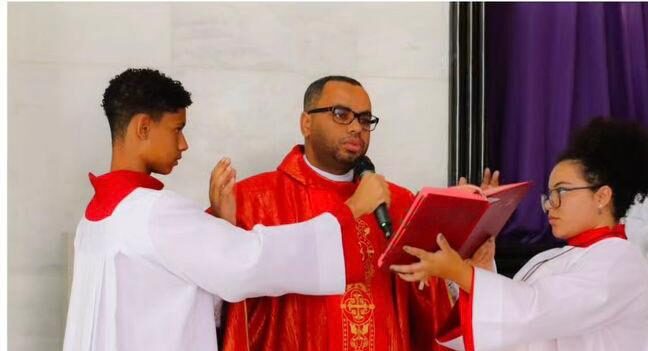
[346, 177]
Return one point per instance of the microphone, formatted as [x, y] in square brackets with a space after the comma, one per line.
[362, 167]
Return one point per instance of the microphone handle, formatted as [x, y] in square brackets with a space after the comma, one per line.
[382, 217]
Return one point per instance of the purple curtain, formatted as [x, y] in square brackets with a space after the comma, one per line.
[550, 68]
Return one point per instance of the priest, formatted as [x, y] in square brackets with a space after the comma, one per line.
[376, 313]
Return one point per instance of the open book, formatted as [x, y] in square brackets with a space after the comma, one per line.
[466, 219]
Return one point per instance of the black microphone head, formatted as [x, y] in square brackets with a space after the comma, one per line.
[363, 164]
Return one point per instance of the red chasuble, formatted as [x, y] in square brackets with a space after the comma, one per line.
[380, 313]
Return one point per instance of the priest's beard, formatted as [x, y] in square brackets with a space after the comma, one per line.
[332, 155]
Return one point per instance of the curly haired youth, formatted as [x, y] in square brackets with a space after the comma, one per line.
[141, 90]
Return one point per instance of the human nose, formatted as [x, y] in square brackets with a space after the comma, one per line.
[182, 143]
[355, 126]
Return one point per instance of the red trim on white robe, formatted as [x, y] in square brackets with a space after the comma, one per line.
[111, 188]
[592, 236]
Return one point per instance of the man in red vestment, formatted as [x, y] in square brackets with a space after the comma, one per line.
[379, 313]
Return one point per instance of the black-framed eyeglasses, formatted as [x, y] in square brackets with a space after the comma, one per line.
[345, 115]
[553, 199]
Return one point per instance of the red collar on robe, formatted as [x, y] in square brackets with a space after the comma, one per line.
[295, 166]
[111, 188]
[593, 236]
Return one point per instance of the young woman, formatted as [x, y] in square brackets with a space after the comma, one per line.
[591, 294]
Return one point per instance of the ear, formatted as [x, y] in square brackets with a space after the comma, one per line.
[142, 125]
[604, 196]
[305, 123]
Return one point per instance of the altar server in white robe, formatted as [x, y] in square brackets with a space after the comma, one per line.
[590, 295]
[150, 266]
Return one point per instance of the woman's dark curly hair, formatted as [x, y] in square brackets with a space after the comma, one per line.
[613, 153]
[141, 90]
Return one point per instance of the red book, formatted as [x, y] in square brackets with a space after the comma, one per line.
[466, 220]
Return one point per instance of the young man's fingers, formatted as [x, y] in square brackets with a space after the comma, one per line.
[233, 176]
[229, 186]
[215, 171]
[225, 160]
[462, 181]
[223, 178]
[229, 174]
[221, 166]
[216, 176]
[213, 178]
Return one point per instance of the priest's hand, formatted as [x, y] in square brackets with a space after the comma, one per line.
[445, 263]
[489, 180]
[222, 192]
[484, 257]
[371, 192]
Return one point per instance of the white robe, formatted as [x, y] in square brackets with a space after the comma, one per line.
[636, 223]
[148, 276]
[587, 299]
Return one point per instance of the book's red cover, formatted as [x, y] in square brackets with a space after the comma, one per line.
[466, 220]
